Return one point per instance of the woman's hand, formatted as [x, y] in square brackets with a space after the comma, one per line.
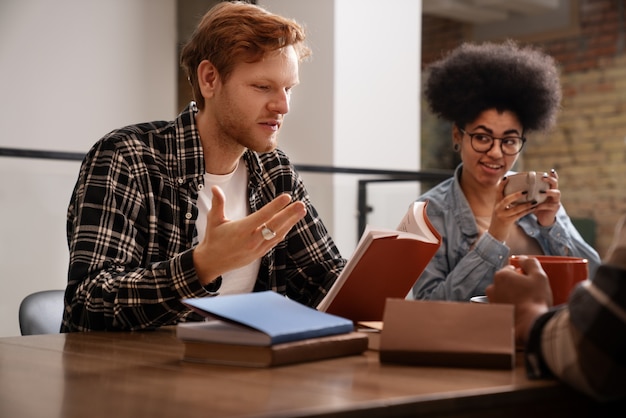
[505, 212]
[546, 211]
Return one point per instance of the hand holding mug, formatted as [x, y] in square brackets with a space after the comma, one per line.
[527, 288]
[564, 273]
[537, 191]
[516, 197]
[546, 211]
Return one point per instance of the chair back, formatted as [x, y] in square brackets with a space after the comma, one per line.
[587, 229]
[41, 312]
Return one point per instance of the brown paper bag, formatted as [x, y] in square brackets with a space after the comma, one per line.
[453, 334]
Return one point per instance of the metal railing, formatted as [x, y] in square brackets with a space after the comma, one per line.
[363, 209]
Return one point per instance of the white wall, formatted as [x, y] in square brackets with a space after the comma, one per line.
[377, 106]
[71, 71]
[357, 105]
[307, 134]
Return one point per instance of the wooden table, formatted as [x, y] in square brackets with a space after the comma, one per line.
[140, 374]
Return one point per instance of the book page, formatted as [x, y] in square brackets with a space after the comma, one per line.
[415, 223]
[221, 332]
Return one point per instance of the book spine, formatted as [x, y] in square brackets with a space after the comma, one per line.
[275, 355]
[313, 350]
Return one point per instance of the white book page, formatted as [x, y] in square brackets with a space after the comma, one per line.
[414, 222]
[216, 330]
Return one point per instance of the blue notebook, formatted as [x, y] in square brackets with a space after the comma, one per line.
[258, 318]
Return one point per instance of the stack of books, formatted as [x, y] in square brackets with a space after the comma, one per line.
[265, 329]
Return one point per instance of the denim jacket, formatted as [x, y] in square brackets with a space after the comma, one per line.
[465, 263]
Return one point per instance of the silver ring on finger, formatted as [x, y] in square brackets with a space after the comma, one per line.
[267, 233]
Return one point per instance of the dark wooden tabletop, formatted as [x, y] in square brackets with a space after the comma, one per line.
[142, 374]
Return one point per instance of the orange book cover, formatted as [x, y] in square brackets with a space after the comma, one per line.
[385, 264]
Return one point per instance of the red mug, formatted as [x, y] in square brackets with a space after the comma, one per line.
[564, 273]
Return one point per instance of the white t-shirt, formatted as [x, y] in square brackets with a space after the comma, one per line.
[235, 186]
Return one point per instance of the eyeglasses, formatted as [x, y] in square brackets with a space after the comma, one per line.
[482, 142]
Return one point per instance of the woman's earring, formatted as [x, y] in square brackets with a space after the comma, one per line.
[456, 147]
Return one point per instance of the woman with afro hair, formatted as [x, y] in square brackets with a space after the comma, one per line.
[494, 94]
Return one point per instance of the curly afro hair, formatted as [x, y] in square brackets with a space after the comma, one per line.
[476, 77]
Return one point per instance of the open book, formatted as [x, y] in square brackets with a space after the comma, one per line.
[385, 264]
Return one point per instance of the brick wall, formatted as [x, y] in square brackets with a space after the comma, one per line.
[588, 146]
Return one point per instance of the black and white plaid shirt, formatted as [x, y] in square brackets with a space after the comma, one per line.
[583, 343]
[131, 230]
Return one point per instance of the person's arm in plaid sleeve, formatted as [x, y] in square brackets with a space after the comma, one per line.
[582, 343]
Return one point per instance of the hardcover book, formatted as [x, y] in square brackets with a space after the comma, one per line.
[258, 318]
[310, 349]
[452, 334]
[385, 264]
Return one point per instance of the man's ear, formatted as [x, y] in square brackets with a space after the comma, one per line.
[207, 78]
